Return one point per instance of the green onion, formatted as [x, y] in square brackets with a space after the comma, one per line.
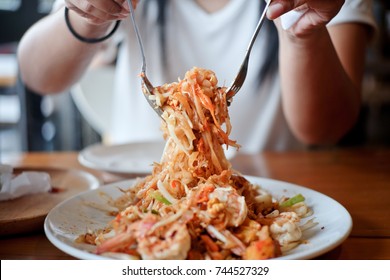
[159, 197]
[293, 200]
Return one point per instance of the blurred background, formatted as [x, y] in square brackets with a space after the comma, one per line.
[73, 120]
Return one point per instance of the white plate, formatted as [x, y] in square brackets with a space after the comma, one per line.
[126, 158]
[73, 217]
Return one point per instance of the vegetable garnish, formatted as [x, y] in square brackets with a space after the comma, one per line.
[159, 197]
[293, 200]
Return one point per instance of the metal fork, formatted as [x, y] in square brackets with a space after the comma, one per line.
[147, 87]
[241, 75]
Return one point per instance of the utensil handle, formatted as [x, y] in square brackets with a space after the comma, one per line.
[139, 39]
[257, 30]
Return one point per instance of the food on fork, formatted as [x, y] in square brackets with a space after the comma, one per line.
[194, 205]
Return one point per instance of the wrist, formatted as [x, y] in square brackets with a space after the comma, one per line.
[87, 29]
[314, 37]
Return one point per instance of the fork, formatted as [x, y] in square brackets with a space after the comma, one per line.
[147, 87]
[241, 75]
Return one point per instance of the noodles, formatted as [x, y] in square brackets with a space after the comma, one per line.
[194, 205]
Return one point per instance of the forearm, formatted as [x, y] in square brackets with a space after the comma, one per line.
[50, 58]
[320, 100]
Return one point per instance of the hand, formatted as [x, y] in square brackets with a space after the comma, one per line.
[100, 12]
[317, 13]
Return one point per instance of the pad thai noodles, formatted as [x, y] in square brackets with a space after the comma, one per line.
[194, 205]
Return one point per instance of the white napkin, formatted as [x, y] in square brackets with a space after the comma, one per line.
[290, 18]
[28, 182]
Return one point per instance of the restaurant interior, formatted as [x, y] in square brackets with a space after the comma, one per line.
[347, 184]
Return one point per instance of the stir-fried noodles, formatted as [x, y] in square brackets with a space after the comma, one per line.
[194, 205]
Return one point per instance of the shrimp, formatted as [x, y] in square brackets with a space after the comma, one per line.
[262, 248]
[227, 203]
[123, 240]
[170, 243]
[116, 244]
[285, 228]
[221, 206]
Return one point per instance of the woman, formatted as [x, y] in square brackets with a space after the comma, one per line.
[311, 98]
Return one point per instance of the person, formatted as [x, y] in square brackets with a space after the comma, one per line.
[304, 81]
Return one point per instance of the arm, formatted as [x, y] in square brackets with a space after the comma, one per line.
[50, 58]
[321, 74]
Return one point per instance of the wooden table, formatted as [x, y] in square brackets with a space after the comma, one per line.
[358, 178]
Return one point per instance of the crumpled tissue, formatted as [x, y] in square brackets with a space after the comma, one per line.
[28, 182]
[290, 18]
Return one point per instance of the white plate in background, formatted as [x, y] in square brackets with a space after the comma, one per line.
[131, 158]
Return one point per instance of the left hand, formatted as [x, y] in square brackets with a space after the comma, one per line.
[318, 13]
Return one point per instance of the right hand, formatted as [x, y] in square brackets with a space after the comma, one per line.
[317, 14]
[100, 12]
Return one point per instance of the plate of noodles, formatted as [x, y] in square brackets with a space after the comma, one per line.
[193, 204]
[82, 226]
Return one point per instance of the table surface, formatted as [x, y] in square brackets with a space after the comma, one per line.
[358, 178]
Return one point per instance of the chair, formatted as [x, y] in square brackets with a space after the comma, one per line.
[58, 127]
[92, 96]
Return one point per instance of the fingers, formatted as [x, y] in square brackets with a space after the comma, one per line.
[89, 17]
[327, 8]
[279, 7]
[99, 12]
